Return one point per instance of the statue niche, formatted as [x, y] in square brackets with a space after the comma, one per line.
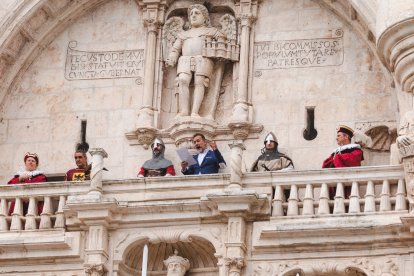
[200, 53]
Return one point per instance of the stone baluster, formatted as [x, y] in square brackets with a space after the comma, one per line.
[323, 208]
[31, 215]
[385, 203]
[3, 215]
[278, 202]
[369, 206]
[308, 208]
[354, 206]
[45, 221]
[400, 202]
[98, 155]
[339, 204]
[237, 148]
[293, 208]
[60, 216]
[16, 222]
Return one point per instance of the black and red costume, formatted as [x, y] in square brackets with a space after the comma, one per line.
[349, 155]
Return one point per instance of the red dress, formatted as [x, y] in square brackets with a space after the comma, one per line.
[35, 179]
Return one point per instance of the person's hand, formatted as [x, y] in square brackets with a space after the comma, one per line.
[184, 165]
[23, 177]
[404, 140]
[213, 145]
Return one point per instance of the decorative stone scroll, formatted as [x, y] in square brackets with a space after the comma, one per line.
[300, 53]
[92, 65]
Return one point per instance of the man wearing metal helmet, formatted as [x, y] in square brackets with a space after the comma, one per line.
[158, 165]
[271, 159]
[347, 154]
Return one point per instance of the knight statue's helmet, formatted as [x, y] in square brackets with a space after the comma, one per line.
[270, 137]
[157, 141]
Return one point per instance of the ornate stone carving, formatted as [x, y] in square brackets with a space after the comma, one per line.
[395, 47]
[382, 137]
[365, 264]
[405, 143]
[388, 268]
[234, 266]
[201, 50]
[169, 236]
[176, 265]
[95, 270]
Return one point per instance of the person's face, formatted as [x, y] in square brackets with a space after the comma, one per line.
[199, 143]
[196, 18]
[81, 160]
[156, 149]
[175, 269]
[270, 145]
[30, 164]
[342, 139]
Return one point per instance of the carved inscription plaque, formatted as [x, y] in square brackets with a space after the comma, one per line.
[299, 53]
[88, 65]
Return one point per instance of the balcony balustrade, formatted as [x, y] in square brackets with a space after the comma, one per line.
[293, 194]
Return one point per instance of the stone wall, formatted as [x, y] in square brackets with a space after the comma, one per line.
[345, 83]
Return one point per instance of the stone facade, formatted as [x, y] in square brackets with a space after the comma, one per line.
[289, 66]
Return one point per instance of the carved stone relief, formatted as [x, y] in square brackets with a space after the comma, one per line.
[341, 267]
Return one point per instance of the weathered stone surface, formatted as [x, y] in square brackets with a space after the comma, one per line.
[347, 60]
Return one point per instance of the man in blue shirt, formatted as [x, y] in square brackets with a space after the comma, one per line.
[208, 160]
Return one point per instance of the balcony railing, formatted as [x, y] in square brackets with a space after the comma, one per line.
[333, 192]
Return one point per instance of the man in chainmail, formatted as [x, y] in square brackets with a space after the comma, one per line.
[271, 159]
[158, 165]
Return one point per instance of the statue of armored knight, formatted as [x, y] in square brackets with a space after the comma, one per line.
[200, 52]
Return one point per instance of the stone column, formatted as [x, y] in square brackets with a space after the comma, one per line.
[154, 13]
[241, 106]
[237, 148]
[395, 45]
[98, 154]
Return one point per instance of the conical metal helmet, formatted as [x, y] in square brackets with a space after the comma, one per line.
[269, 138]
[157, 141]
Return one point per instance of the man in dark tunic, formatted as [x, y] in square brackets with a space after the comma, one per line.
[82, 171]
[271, 159]
[158, 165]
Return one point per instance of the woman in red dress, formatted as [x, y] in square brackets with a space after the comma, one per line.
[27, 176]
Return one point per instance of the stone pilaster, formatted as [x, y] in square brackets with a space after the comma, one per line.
[154, 13]
[247, 12]
[238, 206]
